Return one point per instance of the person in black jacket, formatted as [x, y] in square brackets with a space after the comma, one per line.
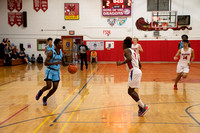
[83, 53]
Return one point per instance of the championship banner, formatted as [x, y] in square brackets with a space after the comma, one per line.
[44, 5]
[71, 11]
[36, 5]
[11, 18]
[11, 5]
[18, 18]
[18, 5]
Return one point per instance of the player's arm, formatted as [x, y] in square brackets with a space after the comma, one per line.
[192, 56]
[45, 50]
[179, 45]
[63, 62]
[49, 56]
[127, 54]
[140, 48]
[177, 54]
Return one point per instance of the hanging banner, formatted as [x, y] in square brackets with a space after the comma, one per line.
[18, 18]
[95, 45]
[36, 5]
[71, 11]
[11, 5]
[18, 5]
[11, 18]
[44, 5]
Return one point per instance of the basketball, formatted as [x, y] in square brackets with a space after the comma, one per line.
[72, 69]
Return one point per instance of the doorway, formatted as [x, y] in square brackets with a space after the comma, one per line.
[68, 46]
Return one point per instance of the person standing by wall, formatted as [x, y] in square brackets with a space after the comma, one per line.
[83, 53]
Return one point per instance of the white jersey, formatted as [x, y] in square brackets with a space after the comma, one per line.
[134, 60]
[185, 56]
[136, 49]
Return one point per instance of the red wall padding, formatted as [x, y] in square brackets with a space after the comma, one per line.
[154, 50]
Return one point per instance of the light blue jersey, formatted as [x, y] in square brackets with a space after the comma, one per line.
[181, 45]
[52, 72]
[50, 48]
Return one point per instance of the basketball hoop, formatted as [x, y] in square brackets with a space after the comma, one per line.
[164, 25]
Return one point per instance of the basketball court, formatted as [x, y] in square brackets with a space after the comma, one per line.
[96, 100]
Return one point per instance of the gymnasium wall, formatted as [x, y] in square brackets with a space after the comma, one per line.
[91, 25]
[154, 50]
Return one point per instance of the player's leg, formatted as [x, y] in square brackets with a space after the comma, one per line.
[51, 92]
[55, 79]
[179, 72]
[47, 87]
[85, 59]
[81, 61]
[134, 82]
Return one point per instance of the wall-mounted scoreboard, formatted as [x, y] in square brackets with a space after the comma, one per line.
[116, 7]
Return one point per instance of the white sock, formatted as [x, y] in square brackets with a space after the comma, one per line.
[140, 103]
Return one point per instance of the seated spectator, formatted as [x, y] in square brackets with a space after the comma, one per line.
[7, 54]
[1, 50]
[22, 55]
[14, 54]
[27, 56]
[39, 59]
[33, 58]
[93, 56]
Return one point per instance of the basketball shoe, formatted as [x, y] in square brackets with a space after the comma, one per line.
[143, 110]
[39, 94]
[44, 101]
[175, 87]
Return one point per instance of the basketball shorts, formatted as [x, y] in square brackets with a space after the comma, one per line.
[134, 79]
[183, 67]
[52, 75]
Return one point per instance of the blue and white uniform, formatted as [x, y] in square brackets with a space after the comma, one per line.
[53, 72]
[50, 48]
[135, 74]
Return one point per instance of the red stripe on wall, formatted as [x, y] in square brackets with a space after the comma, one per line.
[154, 50]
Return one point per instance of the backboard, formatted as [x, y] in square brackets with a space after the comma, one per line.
[163, 20]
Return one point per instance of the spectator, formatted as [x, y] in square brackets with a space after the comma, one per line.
[33, 58]
[22, 55]
[7, 54]
[93, 55]
[14, 54]
[75, 52]
[83, 53]
[1, 50]
[39, 59]
[27, 56]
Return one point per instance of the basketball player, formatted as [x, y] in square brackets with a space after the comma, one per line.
[135, 74]
[49, 46]
[52, 74]
[183, 67]
[184, 37]
[137, 48]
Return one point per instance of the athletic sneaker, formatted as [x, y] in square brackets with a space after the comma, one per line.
[175, 87]
[144, 110]
[39, 94]
[140, 109]
[44, 101]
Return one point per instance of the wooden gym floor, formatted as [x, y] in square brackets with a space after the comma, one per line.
[96, 101]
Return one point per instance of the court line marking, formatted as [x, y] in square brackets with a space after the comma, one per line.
[87, 110]
[52, 113]
[186, 110]
[62, 129]
[65, 107]
[55, 120]
[14, 114]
